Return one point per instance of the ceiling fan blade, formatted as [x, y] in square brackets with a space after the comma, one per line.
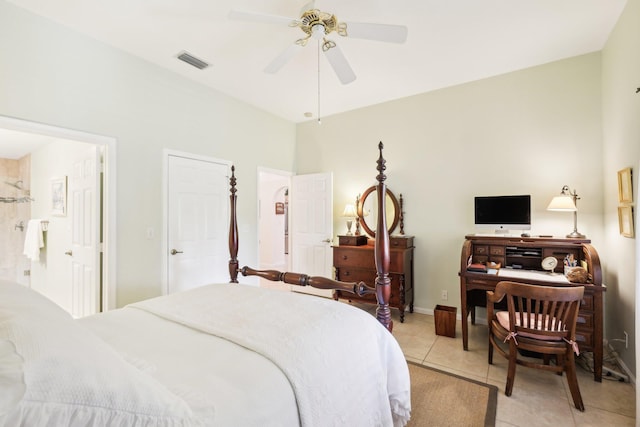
[262, 17]
[283, 58]
[340, 65]
[309, 6]
[378, 32]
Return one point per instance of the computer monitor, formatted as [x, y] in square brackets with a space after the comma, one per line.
[503, 213]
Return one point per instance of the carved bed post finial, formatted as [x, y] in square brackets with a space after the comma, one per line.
[382, 253]
[381, 165]
[233, 229]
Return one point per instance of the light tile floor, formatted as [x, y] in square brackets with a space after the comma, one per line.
[538, 398]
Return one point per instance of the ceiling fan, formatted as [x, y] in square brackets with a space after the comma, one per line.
[317, 24]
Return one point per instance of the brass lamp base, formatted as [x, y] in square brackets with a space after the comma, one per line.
[576, 235]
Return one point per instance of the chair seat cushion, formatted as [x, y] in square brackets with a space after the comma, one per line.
[503, 319]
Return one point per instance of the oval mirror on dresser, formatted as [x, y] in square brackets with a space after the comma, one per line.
[368, 208]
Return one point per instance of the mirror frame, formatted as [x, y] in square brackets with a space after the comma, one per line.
[396, 209]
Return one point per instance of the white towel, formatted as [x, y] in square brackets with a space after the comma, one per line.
[33, 240]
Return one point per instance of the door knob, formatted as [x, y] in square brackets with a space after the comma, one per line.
[173, 252]
[326, 241]
[70, 253]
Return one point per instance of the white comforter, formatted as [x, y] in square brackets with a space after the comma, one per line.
[345, 369]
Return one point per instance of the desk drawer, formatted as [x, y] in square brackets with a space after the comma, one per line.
[350, 274]
[401, 242]
[348, 257]
[585, 320]
[355, 256]
[587, 302]
[584, 339]
[480, 249]
[482, 282]
[496, 250]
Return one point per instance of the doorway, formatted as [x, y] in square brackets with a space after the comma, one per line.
[273, 224]
[31, 136]
[302, 244]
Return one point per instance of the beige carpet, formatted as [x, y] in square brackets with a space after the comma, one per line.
[442, 399]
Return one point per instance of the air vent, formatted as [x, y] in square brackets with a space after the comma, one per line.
[192, 60]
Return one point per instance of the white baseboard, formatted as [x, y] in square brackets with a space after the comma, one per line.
[430, 311]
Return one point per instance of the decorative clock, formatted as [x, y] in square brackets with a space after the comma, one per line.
[549, 264]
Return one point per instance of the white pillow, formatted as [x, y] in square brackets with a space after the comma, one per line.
[70, 376]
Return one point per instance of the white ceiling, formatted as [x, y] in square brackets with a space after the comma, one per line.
[449, 42]
[16, 144]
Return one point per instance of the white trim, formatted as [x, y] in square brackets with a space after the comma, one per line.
[636, 342]
[431, 312]
[166, 153]
[108, 145]
[275, 171]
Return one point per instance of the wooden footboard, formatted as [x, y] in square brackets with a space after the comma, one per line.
[358, 288]
[382, 288]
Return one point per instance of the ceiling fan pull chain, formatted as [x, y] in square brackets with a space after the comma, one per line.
[319, 120]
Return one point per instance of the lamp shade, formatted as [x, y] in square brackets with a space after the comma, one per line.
[349, 211]
[562, 203]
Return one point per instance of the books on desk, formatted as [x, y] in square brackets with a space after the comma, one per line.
[477, 267]
[489, 268]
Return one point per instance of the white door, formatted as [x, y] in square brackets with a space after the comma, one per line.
[311, 205]
[197, 223]
[84, 208]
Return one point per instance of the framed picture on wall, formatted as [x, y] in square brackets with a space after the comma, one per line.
[625, 190]
[59, 196]
[625, 219]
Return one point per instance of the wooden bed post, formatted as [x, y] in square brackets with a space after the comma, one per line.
[382, 255]
[233, 229]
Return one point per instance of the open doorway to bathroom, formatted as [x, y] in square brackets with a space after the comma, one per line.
[15, 211]
[34, 157]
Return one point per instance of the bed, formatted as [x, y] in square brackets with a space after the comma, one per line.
[218, 355]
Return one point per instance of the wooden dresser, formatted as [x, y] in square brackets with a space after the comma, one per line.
[357, 263]
[522, 258]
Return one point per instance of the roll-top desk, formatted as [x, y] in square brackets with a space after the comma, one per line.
[357, 263]
[521, 260]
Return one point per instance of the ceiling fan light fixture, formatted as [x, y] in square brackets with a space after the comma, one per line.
[317, 25]
[318, 31]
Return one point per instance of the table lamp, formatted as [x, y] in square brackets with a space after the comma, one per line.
[349, 213]
[567, 202]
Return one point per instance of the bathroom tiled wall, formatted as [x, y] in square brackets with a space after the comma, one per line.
[13, 263]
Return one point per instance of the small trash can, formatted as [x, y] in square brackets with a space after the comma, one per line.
[445, 320]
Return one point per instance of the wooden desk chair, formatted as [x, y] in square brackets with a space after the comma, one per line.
[540, 319]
